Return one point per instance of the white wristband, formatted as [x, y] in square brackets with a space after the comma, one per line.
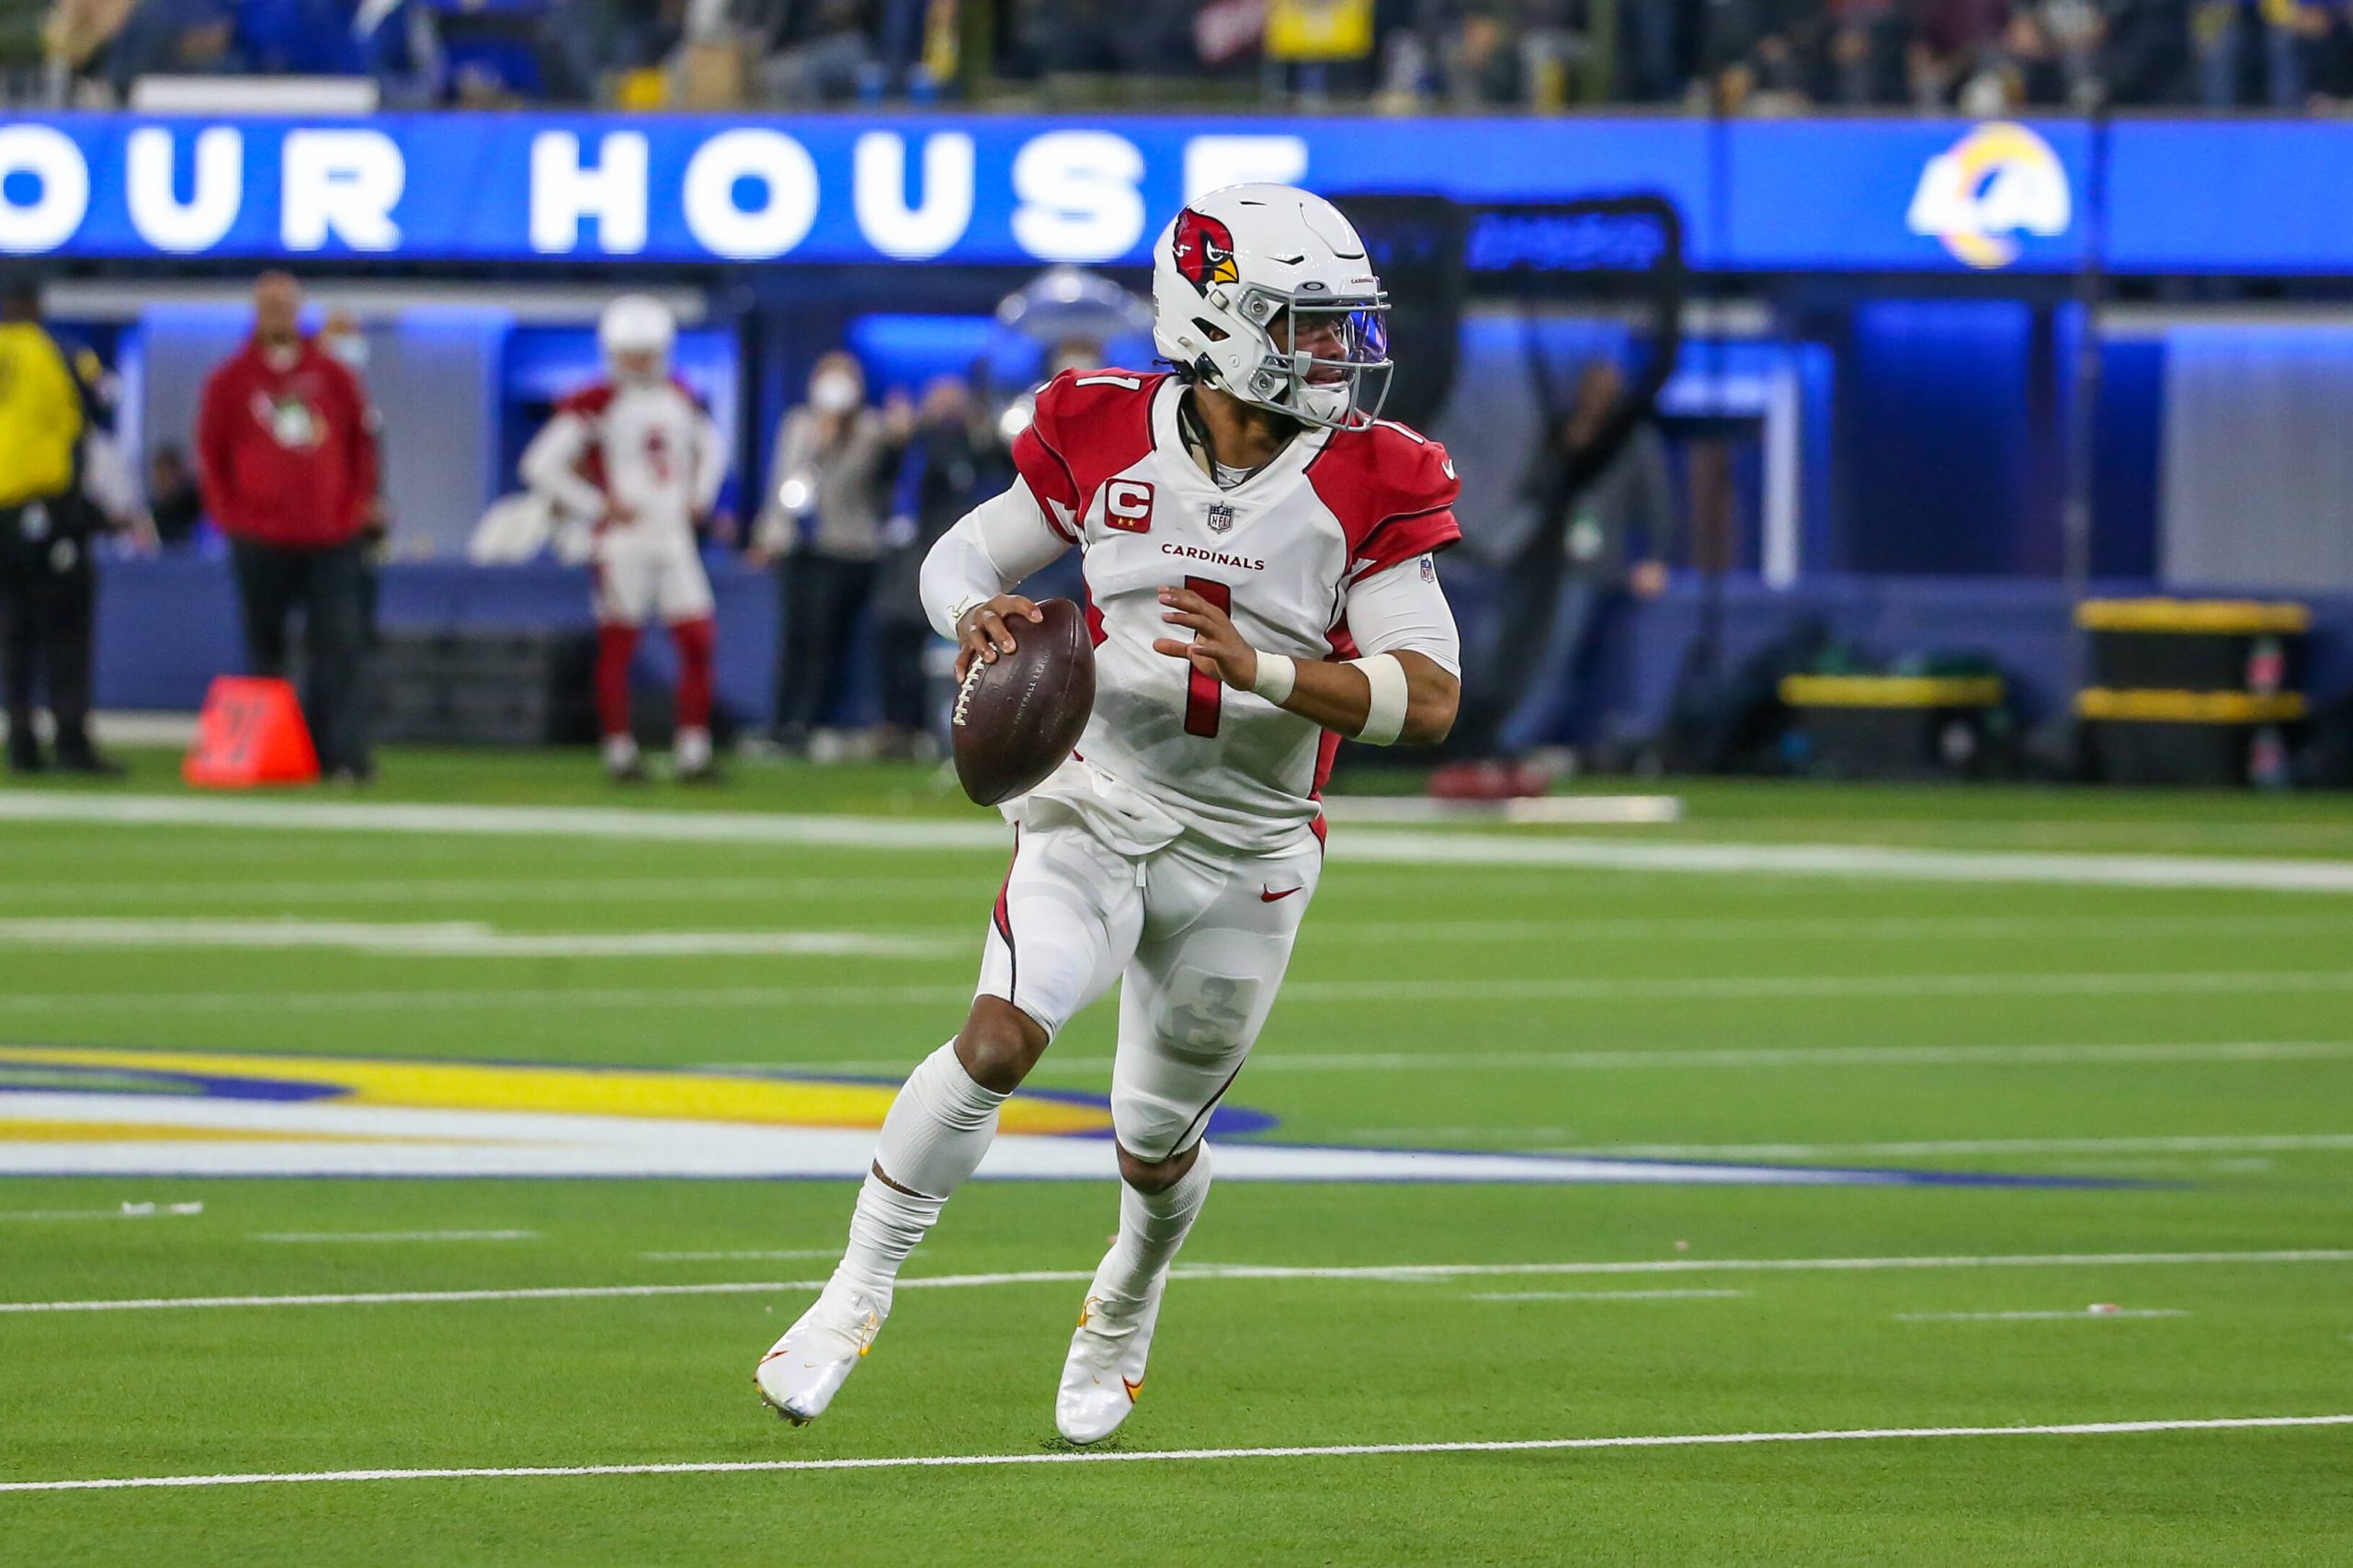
[1385, 720]
[962, 608]
[1278, 673]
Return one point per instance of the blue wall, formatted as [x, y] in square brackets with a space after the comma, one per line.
[166, 627]
[1899, 195]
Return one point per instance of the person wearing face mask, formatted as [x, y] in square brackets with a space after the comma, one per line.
[821, 523]
[285, 458]
[949, 461]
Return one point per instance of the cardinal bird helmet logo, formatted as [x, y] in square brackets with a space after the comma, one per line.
[1203, 249]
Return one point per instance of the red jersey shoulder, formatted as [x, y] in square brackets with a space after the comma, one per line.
[1088, 426]
[1077, 396]
[1089, 415]
[590, 402]
[1392, 490]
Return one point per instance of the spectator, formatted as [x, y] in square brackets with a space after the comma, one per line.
[1485, 68]
[2144, 52]
[176, 37]
[47, 581]
[820, 52]
[1864, 60]
[1950, 39]
[950, 465]
[2022, 70]
[821, 526]
[1586, 500]
[173, 499]
[76, 36]
[1622, 527]
[286, 457]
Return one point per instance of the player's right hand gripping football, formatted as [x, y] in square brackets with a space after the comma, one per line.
[982, 631]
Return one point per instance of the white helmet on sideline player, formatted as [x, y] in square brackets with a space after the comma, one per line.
[1265, 292]
[636, 332]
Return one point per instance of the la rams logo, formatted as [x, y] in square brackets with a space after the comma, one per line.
[1202, 248]
[1999, 181]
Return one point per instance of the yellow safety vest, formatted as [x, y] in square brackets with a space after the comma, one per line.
[40, 416]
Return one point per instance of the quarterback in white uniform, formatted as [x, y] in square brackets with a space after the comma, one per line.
[1258, 553]
[639, 454]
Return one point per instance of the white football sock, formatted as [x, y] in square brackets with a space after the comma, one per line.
[932, 1139]
[619, 750]
[1152, 1227]
[692, 750]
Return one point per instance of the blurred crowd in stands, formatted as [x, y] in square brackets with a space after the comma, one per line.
[1744, 56]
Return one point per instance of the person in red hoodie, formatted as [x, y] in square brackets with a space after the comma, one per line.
[286, 457]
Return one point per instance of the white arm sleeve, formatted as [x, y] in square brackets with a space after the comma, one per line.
[550, 467]
[1401, 610]
[992, 547]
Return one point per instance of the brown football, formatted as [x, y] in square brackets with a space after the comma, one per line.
[1016, 719]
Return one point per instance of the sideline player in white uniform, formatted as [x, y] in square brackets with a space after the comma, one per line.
[1259, 567]
[638, 454]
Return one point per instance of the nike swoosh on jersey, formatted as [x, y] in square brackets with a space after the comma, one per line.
[1268, 895]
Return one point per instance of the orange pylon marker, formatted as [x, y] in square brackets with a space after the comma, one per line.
[249, 733]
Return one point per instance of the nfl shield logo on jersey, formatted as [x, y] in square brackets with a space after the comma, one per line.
[1221, 517]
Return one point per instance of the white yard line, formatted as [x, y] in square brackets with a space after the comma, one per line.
[1364, 847]
[2280, 1143]
[739, 1256]
[506, 822]
[1604, 930]
[488, 998]
[1816, 987]
[526, 890]
[1385, 1272]
[2040, 1317]
[955, 884]
[124, 1211]
[434, 1297]
[1337, 992]
[1603, 1295]
[2269, 875]
[1173, 1456]
[1766, 1265]
[1829, 928]
[329, 1237]
[1276, 1060]
[464, 940]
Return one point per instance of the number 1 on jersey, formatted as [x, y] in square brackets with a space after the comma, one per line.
[1204, 692]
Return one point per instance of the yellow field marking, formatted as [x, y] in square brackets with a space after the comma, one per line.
[655, 1095]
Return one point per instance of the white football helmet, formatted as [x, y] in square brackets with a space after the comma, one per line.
[1265, 292]
[637, 323]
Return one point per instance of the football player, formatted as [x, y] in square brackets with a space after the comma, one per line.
[1258, 553]
[638, 454]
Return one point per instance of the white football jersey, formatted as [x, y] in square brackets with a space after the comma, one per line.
[1279, 553]
[649, 448]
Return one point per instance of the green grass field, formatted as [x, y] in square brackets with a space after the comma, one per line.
[2190, 1049]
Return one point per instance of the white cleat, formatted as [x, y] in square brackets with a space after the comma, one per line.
[1104, 1376]
[801, 1375]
